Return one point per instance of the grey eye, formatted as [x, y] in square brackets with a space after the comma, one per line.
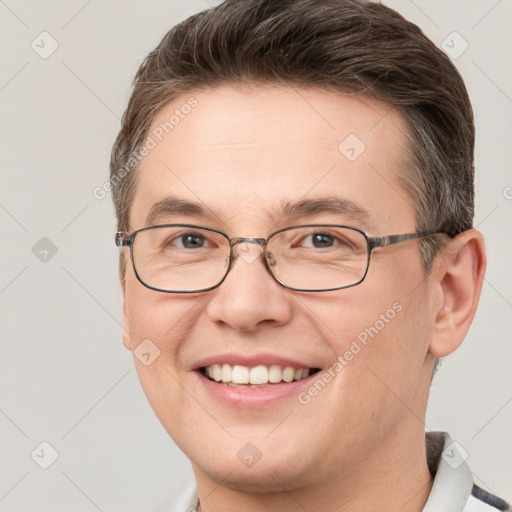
[322, 240]
[192, 241]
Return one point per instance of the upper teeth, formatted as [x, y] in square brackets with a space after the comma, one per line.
[260, 374]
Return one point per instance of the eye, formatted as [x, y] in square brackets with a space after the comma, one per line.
[321, 240]
[189, 241]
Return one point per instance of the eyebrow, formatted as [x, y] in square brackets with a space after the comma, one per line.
[336, 205]
[173, 206]
[306, 207]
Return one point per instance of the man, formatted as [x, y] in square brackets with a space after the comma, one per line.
[293, 183]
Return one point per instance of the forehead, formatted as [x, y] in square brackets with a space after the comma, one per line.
[246, 152]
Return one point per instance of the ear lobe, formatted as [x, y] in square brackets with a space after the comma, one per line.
[460, 281]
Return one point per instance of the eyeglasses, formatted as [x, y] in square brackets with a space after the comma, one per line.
[185, 258]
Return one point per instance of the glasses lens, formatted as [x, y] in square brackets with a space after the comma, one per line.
[180, 258]
[318, 257]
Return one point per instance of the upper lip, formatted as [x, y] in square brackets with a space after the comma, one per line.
[251, 361]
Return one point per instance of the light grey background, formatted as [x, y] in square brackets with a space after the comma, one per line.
[65, 377]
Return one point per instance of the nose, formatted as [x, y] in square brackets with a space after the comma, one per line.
[249, 296]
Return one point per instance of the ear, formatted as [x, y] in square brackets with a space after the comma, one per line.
[127, 341]
[126, 324]
[460, 278]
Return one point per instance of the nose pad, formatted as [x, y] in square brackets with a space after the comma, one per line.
[269, 258]
[249, 251]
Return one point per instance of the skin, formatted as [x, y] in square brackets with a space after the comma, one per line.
[359, 444]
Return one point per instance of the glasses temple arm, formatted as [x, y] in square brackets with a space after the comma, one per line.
[384, 241]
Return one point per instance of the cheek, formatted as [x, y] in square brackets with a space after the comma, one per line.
[163, 319]
[379, 329]
[351, 317]
[159, 324]
[395, 353]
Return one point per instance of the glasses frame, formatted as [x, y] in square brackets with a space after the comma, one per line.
[125, 239]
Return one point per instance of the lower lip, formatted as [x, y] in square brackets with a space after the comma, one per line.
[247, 397]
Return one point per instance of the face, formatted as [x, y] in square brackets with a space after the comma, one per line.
[242, 156]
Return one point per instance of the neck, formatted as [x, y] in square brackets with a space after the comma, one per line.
[394, 477]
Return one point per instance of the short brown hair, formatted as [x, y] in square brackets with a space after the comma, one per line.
[347, 46]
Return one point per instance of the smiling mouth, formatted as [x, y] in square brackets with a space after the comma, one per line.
[256, 376]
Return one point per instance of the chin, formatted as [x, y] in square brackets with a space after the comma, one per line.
[265, 476]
